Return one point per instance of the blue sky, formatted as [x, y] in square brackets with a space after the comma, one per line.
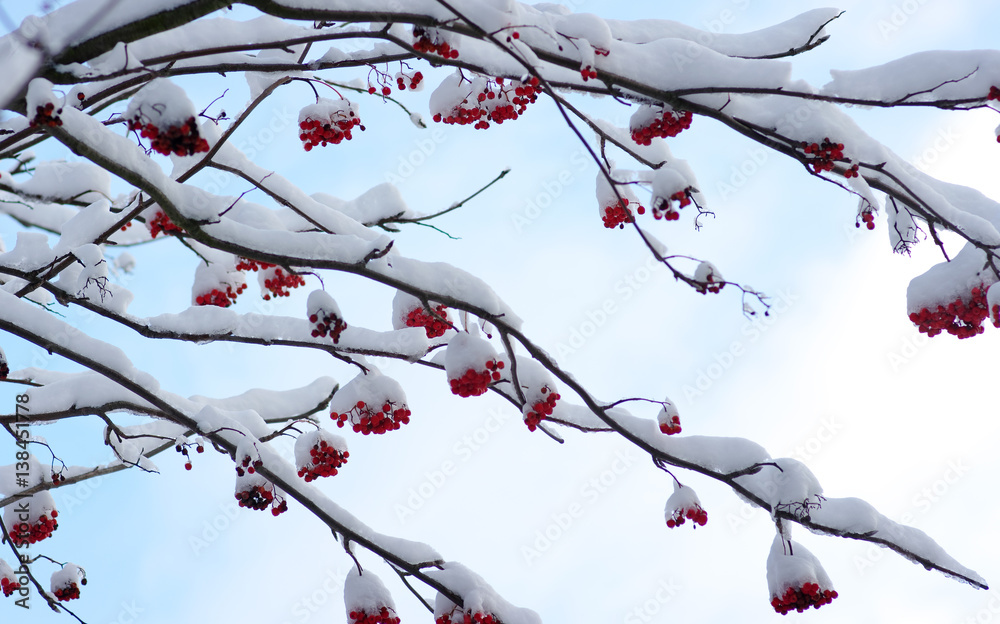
[837, 377]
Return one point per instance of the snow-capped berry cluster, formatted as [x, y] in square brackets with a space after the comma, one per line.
[46, 115]
[823, 154]
[664, 209]
[39, 524]
[8, 579]
[64, 582]
[216, 297]
[279, 283]
[708, 277]
[669, 418]
[181, 139]
[684, 505]
[801, 598]
[959, 318]
[162, 223]
[868, 218]
[471, 364]
[462, 616]
[483, 100]
[538, 412]
[431, 41]
[476, 382]
[320, 454]
[367, 600]
[385, 615]
[650, 122]
[372, 403]
[618, 214]
[328, 121]
[434, 325]
[325, 315]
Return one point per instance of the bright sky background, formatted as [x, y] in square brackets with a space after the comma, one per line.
[838, 377]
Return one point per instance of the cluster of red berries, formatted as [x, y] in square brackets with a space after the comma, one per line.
[247, 466]
[162, 223]
[809, 595]
[67, 592]
[852, 172]
[710, 285]
[433, 325]
[588, 73]
[127, 225]
[325, 460]
[673, 425]
[57, 477]
[246, 264]
[280, 283]
[666, 124]
[994, 93]
[823, 154]
[869, 220]
[8, 586]
[46, 115]
[617, 215]
[257, 497]
[475, 383]
[321, 132]
[664, 209]
[401, 79]
[428, 43]
[958, 318]
[696, 514]
[25, 533]
[327, 325]
[201, 449]
[218, 298]
[182, 140]
[498, 102]
[541, 409]
[461, 616]
[366, 420]
[385, 615]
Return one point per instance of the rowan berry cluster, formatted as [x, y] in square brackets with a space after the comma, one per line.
[25, 533]
[324, 131]
[823, 154]
[46, 115]
[617, 215]
[248, 466]
[182, 140]
[868, 217]
[327, 324]
[9, 586]
[959, 318]
[461, 616]
[279, 283]
[402, 79]
[695, 513]
[852, 172]
[57, 477]
[246, 264]
[432, 42]
[809, 595]
[432, 324]
[498, 100]
[671, 425]
[366, 419]
[325, 459]
[182, 449]
[664, 208]
[256, 497]
[162, 223]
[476, 382]
[541, 409]
[667, 123]
[218, 298]
[994, 93]
[385, 615]
[67, 592]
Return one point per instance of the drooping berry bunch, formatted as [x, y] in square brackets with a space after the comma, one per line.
[868, 218]
[669, 419]
[9, 586]
[57, 477]
[366, 419]
[649, 123]
[708, 277]
[64, 582]
[823, 154]
[68, 592]
[255, 497]
[279, 283]
[320, 454]
[162, 223]
[31, 533]
[181, 140]
[385, 615]
[246, 264]
[664, 208]
[414, 81]
[328, 121]
[852, 172]
[327, 324]
[541, 409]
[462, 616]
[959, 318]
[497, 100]
[216, 297]
[476, 382]
[588, 73]
[247, 466]
[696, 514]
[431, 41]
[433, 326]
[46, 115]
[800, 599]
[618, 214]
[183, 450]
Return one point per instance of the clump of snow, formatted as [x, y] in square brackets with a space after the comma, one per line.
[367, 599]
[470, 362]
[795, 578]
[60, 180]
[161, 103]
